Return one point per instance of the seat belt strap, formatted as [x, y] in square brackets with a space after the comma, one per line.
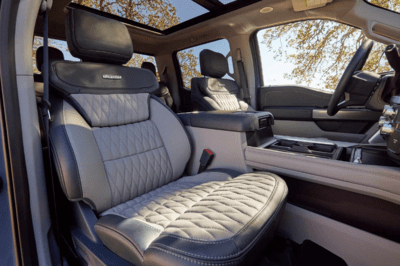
[242, 75]
[44, 105]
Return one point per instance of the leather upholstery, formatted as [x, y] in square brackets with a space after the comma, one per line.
[211, 93]
[163, 91]
[213, 64]
[54, 54]
[97, 39]
[124, 153]
[90, 78]
[209, 217]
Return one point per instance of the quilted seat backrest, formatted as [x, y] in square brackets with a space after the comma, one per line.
[128, 145]
[212, 92]
[111, 140]
[224, 92]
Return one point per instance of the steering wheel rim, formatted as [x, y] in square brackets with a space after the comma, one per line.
[356, 64]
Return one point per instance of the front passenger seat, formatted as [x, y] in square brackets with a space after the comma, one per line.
[211, 92]
[123, 152]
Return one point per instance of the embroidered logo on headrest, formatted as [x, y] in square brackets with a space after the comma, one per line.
[112, 77]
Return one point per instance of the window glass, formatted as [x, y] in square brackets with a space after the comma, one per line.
[61, 45]
[138, 59]
[161, 14]
[393, 5]
[313, 53]
[189, 59]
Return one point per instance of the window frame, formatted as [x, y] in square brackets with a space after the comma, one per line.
[255, 49]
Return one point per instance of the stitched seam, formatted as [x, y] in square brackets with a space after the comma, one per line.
[148, 225]
[233, 240]
[169, 201]
[260, 211]
[101, 226]
[197, 240]
[190, 206]
[131, 155]
[179, 120]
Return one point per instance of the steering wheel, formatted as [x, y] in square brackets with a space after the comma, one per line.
[356, 64]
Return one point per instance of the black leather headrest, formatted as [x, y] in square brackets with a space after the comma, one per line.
[213, 64]
[150, 66]
[94, 38]
[54, 54]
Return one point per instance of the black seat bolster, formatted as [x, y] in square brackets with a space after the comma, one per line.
[129, 238]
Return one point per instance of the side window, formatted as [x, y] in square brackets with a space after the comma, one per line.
[61, 45]
[313, 53]
[137, 60]
[189, 60]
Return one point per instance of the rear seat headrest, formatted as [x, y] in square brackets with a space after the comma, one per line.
[94, 38]
[54, 54]
[213, 64]
[150, 66]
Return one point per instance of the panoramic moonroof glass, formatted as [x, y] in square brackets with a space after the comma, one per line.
[162, 14]
[227, 1]
[393, 5]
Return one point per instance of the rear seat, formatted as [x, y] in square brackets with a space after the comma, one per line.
[163, 91]
[123, 152]
[54, 54]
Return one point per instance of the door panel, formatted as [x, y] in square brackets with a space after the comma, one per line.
[292, 95]
[301, 112]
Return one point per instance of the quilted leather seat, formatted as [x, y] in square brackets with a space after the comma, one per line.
[211, 92]
[123, 152]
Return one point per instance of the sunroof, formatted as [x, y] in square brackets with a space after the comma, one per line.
[227, 1]
[162, 14]
[393, 5]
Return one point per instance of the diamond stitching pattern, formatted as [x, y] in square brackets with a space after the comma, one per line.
[211, 211]
[228, 102]
[135, 159]
[114, 109]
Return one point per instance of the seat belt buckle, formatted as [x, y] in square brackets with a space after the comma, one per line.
[205, 160]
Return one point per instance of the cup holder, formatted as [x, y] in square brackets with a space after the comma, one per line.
[331, 151]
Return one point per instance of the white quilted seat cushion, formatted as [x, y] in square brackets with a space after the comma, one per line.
[210, 208]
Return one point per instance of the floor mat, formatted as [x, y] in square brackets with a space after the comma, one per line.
[284, 252]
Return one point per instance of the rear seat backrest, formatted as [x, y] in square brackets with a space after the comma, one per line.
[163, 91]
[54, 54]
[211, 92]
[106, 133]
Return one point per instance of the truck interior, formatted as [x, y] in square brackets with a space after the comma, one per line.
[203, 132]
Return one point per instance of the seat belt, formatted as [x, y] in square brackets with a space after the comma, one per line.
[242, 75]
[167, 81]
[45, 119]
